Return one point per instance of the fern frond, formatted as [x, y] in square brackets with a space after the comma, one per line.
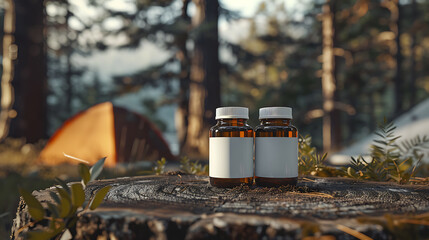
[391, 159]
[414, 144]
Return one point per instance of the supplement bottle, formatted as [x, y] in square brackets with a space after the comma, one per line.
[276, 148]
[231, 148]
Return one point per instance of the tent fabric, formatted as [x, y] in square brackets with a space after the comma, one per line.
[106, 131]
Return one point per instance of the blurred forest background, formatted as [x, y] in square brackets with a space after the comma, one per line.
[341, 65]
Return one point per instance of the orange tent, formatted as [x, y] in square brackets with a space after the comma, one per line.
[106, 131]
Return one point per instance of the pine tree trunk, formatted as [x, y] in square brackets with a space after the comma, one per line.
[69, 84]
[181, 118]
[30, 73]
[398, 75]
[372, 116]
[413, 90]
[69, 71]
[336, 126]
[8, 57]
[328, 73]
[204, 95]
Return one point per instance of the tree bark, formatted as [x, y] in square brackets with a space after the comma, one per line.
[399, 98]
[336, 124]
[69, 67]
[181, 118]
[8, 57]
[204, 89]
[30, 82]
[181, 206]
[413, 89]
[372, 115]
[328, 74]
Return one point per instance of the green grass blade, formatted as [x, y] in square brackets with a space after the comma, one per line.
[4, 215]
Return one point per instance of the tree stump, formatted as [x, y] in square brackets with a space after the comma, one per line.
[180, 206]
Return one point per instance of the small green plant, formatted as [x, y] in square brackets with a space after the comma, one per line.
[390, 160]
[58, 218]
[309, 162]
[160, 166]
[193, 167]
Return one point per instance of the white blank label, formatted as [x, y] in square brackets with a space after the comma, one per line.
[276, 157]
[231, 157]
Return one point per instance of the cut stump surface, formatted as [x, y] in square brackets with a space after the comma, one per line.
[180, 206]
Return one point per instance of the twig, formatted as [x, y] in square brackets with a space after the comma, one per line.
[308, 179]
[314, 194]
[415, 221]
[30, 224]
[75, 158]
[353, 232]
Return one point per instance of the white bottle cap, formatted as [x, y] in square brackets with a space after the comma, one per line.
[232, 112]
[275, 112]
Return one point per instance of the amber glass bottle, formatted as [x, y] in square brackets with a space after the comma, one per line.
[231, 148]
[276, 148]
